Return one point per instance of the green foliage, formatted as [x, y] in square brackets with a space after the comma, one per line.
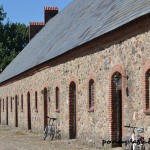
[2, 14]
[13, 38]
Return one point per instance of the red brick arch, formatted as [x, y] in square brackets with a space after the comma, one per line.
[57, 85]
[121, 70]
[146, 67]
[73, 79]
[91, 77]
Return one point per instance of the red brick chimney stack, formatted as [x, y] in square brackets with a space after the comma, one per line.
[35, 27]
[49, 12]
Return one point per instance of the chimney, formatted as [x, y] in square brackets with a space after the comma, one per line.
[35, 27]
[49, 12]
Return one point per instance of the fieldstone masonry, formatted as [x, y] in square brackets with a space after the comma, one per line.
[92, 127]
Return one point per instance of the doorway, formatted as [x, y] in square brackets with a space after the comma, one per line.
[72, 110]
[45, 108]
[116, 95]
[16, 111]
[28, 111]
[0, 111]
[7, 111]
[147, 86]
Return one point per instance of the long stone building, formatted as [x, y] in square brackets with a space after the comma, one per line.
[88, 66]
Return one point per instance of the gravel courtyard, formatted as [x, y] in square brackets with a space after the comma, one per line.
[15, 139]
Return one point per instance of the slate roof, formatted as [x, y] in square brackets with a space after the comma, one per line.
[80, 22]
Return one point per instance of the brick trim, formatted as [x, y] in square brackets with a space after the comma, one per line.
[45, 85]
[55, 86]
[36, 23]
[121, 70]
[57, 99]
[51, 8]
[146, 67]
[93, 77]
[41, 91]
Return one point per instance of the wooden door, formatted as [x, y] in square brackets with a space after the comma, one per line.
[116, 94]
[0, 110]
[45, 108]
[28, 111]
[72, 110]
[7, 111]
[16, 111]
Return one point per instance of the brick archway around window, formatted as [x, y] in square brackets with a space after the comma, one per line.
[57, 99]
[91, 76]
[146, 68]
[121, 70]
[74, 80]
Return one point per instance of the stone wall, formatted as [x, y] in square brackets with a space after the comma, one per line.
[130, 55]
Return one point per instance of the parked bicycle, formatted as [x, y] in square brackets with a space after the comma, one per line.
[52, 129]
[134, 142]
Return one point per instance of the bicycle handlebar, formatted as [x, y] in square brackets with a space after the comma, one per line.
[130, 126]
[51, 118]
[127, 126]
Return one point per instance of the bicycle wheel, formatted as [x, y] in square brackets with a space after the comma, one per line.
[45, 132]
[52, 133]
[129, 146]
[58, 135]
[142, 147]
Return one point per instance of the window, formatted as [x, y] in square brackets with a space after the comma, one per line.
[57, 100]
[11, 104]
[22, 102]
[91, 95]
[147, 86]
[36, 103]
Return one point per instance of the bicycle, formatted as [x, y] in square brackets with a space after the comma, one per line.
[134, 142]
[52, 129]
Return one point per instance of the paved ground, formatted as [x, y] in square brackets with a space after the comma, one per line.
[15, 139]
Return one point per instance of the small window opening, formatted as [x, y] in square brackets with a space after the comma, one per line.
[91, 95]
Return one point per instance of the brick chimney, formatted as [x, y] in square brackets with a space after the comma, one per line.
[49, 12]
[35, 27]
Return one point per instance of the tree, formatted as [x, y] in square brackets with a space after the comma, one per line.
[2, 14]
[13, 38]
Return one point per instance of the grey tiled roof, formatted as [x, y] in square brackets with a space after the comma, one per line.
[80, 22]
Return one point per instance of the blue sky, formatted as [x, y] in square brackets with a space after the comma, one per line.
[25, 11]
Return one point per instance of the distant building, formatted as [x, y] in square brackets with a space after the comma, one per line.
[88, 66]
